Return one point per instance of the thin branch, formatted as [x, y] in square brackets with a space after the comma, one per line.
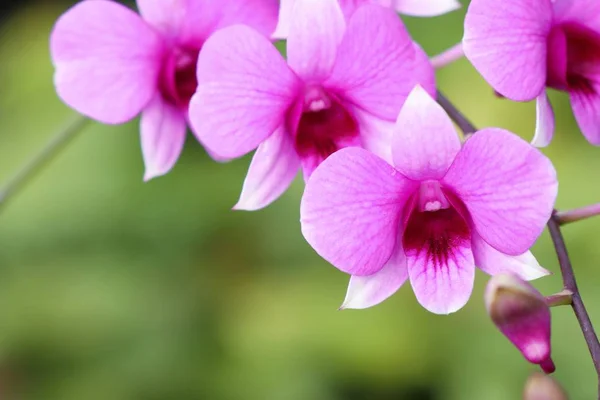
[570, 283]
[446, 57]
[577, 214]
[563, 298]
[35, 164]
[463, 123]
[568, 275]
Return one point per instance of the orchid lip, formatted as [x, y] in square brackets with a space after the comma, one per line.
[177, 81]
[324, 126]
[431, 197]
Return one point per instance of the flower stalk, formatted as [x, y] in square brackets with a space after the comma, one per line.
[563, 298]
[570, 283]
[578, 214]
[448, 56]
[566, 268]
[39, 160]
[459, 119]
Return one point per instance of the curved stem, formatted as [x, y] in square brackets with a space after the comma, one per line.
[34, 165]
[570, 283]
[564, 217]
[463, 123]
[568, 275]
[446, 57]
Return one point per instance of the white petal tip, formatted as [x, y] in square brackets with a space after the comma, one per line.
[537, 274]
[149, 175]
[246, 206]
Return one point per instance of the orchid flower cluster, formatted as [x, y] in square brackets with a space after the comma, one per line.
[393, 192]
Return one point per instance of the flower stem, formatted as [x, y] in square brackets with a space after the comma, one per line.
[570, 283]
[568, 275]
[564, 298]
[459, 119]
[35, 164]
[564, 217]
[446, 57]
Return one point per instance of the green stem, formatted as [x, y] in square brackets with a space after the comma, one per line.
[38, 161]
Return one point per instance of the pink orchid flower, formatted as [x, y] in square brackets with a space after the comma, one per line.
[437, 212]
[523, 46]
[113, 64]
[340, 86]
[418, 8]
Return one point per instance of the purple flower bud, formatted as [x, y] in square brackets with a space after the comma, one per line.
[522, 315]
[543, 387]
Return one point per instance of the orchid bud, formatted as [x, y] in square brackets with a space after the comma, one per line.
[543, 387]
[521, 314]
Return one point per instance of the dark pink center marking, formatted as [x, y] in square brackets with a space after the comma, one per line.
[325, 125]
[573, 57]
[178, 80]
[434, 225]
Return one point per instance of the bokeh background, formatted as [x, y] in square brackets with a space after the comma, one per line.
[111, 288]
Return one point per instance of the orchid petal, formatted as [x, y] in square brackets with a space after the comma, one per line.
[163, 129]
[586, 108]
[350, 211]
[315, 33]
[273, 168]
[377, 66]
[375, 133]
[493, 262]
[426, 8]
[286, 15]
[425, 141]
[506, 42]
[442, 284]
[508, 186]
[244, 91]
[192, 22]
[367, 291]
[585, 12]
[544, 121]
[107, 60]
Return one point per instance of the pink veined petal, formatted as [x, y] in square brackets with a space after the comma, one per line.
[444, 284]
[493, 262]
[508, 186]
[284, 20]
[107, 60]
[586, 108]
[244, 91]
[169, 16]
[163, 130]
[424, 71]
[544, 121]
[375, 66]
[375, 133]
[273, 168]
[586, 12]
[191, 22]
[506, 42]
[425, 141]
[368, 291]
[350, 211]
[258, 14]
[315, 32]
[426, 8]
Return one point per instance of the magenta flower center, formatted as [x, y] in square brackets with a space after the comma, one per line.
[325, 125]
[178, 77]
[573, 57]
[434, 225]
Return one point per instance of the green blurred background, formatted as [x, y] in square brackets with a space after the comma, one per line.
[115, 289]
